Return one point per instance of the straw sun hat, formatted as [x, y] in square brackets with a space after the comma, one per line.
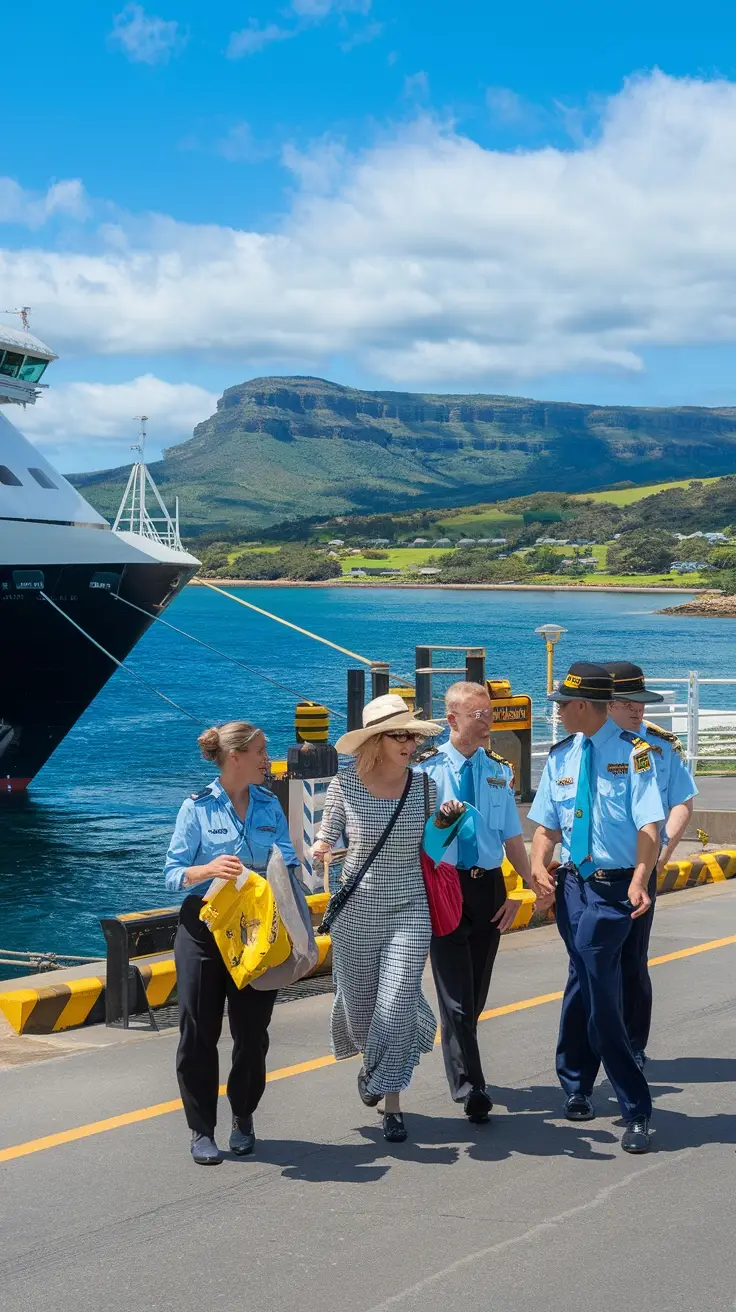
[384, 715]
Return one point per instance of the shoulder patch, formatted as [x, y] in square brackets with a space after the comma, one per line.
[199, 797]
[494, 756]
[425, 755]
[562, 743]
[642, 762]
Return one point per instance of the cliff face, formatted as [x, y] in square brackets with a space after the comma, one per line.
[293, 447]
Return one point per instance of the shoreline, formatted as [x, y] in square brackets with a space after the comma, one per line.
[443, 587]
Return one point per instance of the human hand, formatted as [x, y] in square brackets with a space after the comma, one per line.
[544, 882]
[505, 917]
[320, 850]
[544, 901]
[224, 867]
[451, 810]
[639, 897]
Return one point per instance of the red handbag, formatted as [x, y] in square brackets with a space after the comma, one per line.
[444, 895]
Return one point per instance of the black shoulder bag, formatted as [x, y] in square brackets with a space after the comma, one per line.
[338, 899]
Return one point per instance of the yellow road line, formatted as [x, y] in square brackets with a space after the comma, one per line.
[301, 1068]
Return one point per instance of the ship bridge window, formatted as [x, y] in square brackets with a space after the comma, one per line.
[42, 477]
[10, 363]
[32, 369]
[8, 478]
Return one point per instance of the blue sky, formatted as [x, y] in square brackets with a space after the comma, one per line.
[531, 198]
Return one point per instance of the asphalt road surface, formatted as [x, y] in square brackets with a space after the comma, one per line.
[529, 1212]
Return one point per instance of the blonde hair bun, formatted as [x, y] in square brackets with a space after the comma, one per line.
[209, 742]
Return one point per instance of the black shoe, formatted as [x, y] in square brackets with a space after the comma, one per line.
[640, 1057]
[394, 1129]
[578, 1107]
[478, 1106]
[636, 1136]
[370, 1099]
[204, 1150]
[242, 1138]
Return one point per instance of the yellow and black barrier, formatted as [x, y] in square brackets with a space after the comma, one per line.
[75, 1002]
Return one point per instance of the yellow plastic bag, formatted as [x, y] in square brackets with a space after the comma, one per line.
[247, 928]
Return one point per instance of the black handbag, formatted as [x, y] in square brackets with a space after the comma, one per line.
[338, 899]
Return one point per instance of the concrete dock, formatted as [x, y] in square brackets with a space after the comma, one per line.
[101, 1208]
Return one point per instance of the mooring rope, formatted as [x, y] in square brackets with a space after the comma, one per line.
[120, 664]
[226, 656]
[354, 655]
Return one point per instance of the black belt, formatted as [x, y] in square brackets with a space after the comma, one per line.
[478, 872]
[619, 872]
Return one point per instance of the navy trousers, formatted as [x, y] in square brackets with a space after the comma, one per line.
[637, 984]
[594, 920]
[204, 986]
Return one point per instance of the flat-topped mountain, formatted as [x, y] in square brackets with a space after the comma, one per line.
[280, 448]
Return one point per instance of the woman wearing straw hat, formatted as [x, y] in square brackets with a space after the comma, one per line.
[379, 919]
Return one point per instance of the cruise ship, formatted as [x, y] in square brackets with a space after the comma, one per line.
[62, 570]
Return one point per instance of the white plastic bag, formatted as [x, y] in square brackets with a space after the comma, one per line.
[295, 914]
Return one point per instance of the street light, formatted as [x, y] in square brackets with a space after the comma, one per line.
[551, 633]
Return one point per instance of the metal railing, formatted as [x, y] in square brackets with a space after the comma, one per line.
[708, 733]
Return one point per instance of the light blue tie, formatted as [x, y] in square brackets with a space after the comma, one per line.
[467, 848]
[582, 826]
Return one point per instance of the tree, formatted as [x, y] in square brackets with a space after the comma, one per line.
[641, 553]
[544, 560]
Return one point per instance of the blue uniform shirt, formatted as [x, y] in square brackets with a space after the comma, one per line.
[674, 780]
[625, 794]
[208, 826]
[494, 798]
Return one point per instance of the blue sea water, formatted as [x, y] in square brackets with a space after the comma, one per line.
[90, 836]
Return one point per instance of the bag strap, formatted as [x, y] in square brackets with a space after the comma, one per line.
[338, 899]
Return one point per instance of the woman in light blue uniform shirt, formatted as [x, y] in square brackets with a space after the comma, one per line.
[232, 823]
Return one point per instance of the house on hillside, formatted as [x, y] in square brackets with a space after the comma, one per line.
[442, 542]
[420, 542]
[467, 542]
[688, 566]
[373, 570]
[336, 542]
[428, 569]
[378, 542]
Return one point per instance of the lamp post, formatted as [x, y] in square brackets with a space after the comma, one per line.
[551, 633]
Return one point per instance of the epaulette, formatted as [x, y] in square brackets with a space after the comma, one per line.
[199, 797]
[639, 744]
[654, 731]
[426, 755]
[494, 756]
[562, 743]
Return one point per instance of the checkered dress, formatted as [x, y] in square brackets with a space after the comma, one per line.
[380, 939]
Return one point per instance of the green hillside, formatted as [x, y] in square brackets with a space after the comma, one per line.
[626, 496]
[280, 449]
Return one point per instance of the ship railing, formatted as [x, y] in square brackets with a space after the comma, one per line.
[707, 732]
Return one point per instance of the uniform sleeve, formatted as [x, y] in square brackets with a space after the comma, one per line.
[511, 825]
[183, 848]
[543, 810]
[681, 783]
[334, 819]
[283, 837]
[646, 800]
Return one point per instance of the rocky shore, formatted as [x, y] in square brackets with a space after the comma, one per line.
[711, 605]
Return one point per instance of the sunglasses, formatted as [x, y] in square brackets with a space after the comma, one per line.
[402, 736]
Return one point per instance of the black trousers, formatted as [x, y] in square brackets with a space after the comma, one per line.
[462, 963]
[203, 985]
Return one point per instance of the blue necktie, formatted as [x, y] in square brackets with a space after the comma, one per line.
[467, 848]
[582, 826]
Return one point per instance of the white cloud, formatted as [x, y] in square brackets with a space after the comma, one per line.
[32, 209]
[144, 38]
[71, 418]
[254, 38]
[508, 107]
[434, 260]
[249, 40]
[238, 144]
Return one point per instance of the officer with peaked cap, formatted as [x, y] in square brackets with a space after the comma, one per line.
[598, 797]
[677, 790]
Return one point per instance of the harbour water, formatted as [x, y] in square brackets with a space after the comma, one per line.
[90, 836]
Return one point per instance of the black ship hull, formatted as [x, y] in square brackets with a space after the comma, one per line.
[49, 671]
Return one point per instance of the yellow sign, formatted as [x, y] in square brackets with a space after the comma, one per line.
[572, 681]
[512, 713]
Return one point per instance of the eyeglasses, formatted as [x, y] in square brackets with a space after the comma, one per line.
[401, 736]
